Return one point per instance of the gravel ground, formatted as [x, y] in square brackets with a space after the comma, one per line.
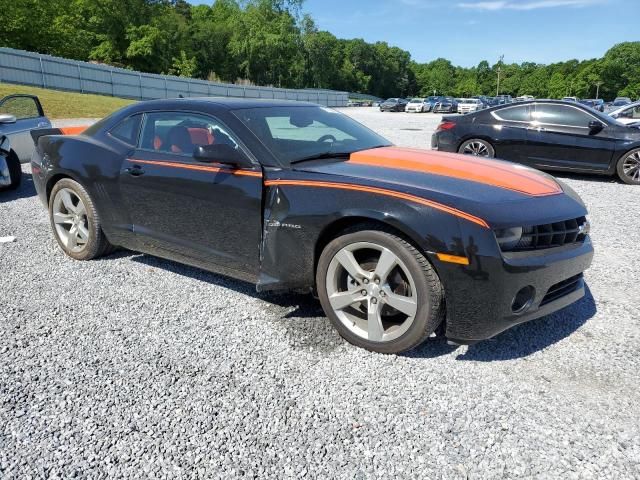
[136, 367]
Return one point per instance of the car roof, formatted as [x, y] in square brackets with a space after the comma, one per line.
[229, 102]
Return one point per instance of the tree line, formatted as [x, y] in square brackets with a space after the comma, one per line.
[272, 42]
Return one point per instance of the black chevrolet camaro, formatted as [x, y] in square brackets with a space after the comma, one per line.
[546, 134]
[398, 243]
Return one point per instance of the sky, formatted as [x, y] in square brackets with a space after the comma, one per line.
[468, 31]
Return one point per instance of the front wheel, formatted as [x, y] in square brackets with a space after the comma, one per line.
[379, 291]
[478, 148]
[628, 167]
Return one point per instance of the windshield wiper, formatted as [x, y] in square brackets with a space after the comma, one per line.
[330, 154]
[320, 156]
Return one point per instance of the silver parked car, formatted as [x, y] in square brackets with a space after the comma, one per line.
[616, 104]
[418, 105]
[469, 105]
[19, 114]
[627, 114]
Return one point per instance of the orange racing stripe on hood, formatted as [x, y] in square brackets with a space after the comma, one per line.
[465, 167]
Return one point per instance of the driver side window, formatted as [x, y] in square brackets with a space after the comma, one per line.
[20, 107]
[180, 133]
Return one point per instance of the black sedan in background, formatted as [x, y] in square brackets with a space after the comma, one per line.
[393, 105]
[446, 105]
[546, 134]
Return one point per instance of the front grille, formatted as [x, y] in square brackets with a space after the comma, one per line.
[553, 234]
[563, 288]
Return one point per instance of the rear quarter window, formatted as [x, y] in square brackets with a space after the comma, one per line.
[514, 114]
[127, 130]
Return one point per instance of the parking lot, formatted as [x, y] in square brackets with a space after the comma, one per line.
[132, 366]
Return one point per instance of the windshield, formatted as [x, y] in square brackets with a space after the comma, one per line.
[416, 100]
[298, 133]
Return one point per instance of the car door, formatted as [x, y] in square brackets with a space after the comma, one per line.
[510, 132]
[29, 115]
[559, 137]
[181, 208]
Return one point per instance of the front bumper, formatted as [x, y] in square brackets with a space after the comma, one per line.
[480, 296]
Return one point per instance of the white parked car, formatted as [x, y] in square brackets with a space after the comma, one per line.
[627, 114]
[418, 105]
[468, 105]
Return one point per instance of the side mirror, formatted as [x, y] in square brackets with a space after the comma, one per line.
[595, 127]
[221, 153]
[6, 118]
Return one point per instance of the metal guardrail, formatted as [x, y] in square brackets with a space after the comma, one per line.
[27, 68]
[364, 96]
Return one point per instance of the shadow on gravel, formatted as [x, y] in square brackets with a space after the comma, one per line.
[521, 340]
[25, 190]
[307, 327]
[300, 315]
[587, 177]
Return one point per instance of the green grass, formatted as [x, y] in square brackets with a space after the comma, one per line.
[59, 104]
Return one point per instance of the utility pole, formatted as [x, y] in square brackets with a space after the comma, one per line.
[598, 84]
[499, 68]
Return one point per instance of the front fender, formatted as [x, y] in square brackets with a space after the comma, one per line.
[297, 220]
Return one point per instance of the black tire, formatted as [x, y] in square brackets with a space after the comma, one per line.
[490, 151]
[97, 243]
[15, 171]
[631, 176]
[429, 291]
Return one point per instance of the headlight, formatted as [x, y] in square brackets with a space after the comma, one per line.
[514, 238]
[508, 238]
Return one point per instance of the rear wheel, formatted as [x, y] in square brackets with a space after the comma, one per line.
[628, 167]
[379, 291]
[478, 148]
[75, 221]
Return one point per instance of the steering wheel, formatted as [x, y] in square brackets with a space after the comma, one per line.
[327, 137]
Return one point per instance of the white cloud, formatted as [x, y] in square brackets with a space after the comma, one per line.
[525, 5]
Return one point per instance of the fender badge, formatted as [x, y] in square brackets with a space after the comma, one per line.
[277, 224]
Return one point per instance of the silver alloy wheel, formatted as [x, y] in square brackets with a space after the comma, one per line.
[631, 166]
[375, 299]
[70, 220]
[478, 149]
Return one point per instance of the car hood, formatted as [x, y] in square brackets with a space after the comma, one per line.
[499, 192]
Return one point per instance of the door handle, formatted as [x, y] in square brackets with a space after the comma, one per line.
[135, 171]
